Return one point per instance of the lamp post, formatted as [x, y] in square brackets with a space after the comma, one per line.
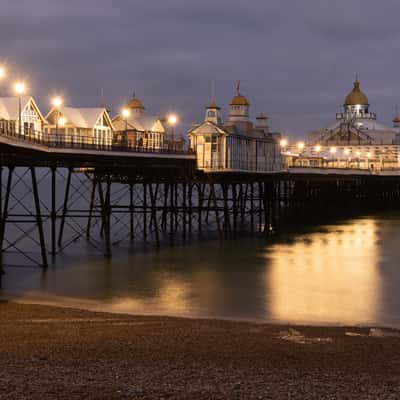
[20, 90]
[172, 121]
[57, 102]
[126, 112]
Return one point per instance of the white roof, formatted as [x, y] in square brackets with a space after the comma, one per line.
[81, 117]
[207, 127]
[9, 107]
[143, 123]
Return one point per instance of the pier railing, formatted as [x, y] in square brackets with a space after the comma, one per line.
[133, 141]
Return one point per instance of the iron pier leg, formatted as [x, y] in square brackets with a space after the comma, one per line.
[91, 206]
[145, 212]
[131, 222]
[65, 207]
[53, 211]
[107, 225]
[153, 199]
[4, 220]
[39, 218]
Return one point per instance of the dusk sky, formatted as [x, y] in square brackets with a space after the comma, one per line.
[296, 59]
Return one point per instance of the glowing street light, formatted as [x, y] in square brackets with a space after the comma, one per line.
[172, 119]
[317, 148]
[57, 102]
[20, 89]
[283, 142]
[300, 145]
[332, 150]
[346, 152]
[2, 72]
[126, 113]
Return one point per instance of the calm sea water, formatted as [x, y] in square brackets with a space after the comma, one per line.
[343, 273]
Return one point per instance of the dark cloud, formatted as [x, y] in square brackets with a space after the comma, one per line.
[296, 59]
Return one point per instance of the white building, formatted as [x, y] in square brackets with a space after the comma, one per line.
[237, 144]
[91, 126]
[355, 139]
[32, 120]
[140, 130]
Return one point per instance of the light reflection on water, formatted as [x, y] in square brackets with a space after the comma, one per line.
[345, 273]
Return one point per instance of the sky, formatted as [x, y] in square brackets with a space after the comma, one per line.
[296, 60]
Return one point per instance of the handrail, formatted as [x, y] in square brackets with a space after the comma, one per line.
[125, 141]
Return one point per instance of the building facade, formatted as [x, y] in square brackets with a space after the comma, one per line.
[236, 144]
[87, 126]
[355, 140]
[138, 130]
[32, 120]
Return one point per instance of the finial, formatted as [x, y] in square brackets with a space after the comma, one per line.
[213, 91]
[102, 103]
[133, 94]
[396, 110]
[238, 88]
[356, 76]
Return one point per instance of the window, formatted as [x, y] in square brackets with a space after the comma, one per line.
[211, 114]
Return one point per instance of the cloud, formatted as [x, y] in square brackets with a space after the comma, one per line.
[296, 60]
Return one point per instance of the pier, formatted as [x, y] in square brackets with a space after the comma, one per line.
[55, 192]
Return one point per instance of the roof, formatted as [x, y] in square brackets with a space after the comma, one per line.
[9, 107]
[356, 96]
[143, 123]
[239, 100]
[261, 116]
[135, 103]
[207, 127]
[213, 104]
[81, 117]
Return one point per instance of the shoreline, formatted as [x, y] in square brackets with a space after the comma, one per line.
[95, 306]
[50, 352]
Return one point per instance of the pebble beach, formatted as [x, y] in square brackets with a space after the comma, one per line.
[60, 353]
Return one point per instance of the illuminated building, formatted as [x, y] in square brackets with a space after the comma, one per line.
[237, 144]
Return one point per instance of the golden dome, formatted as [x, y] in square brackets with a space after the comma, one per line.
[135, 103]
[239, 100]
[396, 119]
[356, 96]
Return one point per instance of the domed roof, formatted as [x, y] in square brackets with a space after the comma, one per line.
[239, 100]
[356, 96]
[396, 119]
[135, 103]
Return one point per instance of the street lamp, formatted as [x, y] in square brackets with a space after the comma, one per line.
[283, 143]
[57, 102]
[19, 90]
[126, 113]
[172, 121]
[300, 145]
[2, 72]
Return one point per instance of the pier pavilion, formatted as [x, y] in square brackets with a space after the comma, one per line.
[355, 139]
[236, 144]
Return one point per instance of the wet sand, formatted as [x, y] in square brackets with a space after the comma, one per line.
[57, 353]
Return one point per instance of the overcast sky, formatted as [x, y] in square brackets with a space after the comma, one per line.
[296, 59]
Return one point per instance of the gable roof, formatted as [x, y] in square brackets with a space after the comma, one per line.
[207, 127]
[83, 117]
[140, 123]
[9, 107]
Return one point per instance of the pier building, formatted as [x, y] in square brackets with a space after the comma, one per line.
[354, 139]
[21, 115]
[236, 144]
[80, 125]
[136, 128]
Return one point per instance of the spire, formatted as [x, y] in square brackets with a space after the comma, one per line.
[213, 103]
[238, 88]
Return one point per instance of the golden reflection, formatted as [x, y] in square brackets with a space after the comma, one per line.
[326, 277]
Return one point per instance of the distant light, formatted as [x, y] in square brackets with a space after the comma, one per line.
[300, 145]
[358, 153]
[57, 101]
[332, 150]
[126, 112]
[172, 119]
[283, 142]
[2, 72]
[369, 155]
[346, 151]
[62, 121]
[20, 88]
[318, 148]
